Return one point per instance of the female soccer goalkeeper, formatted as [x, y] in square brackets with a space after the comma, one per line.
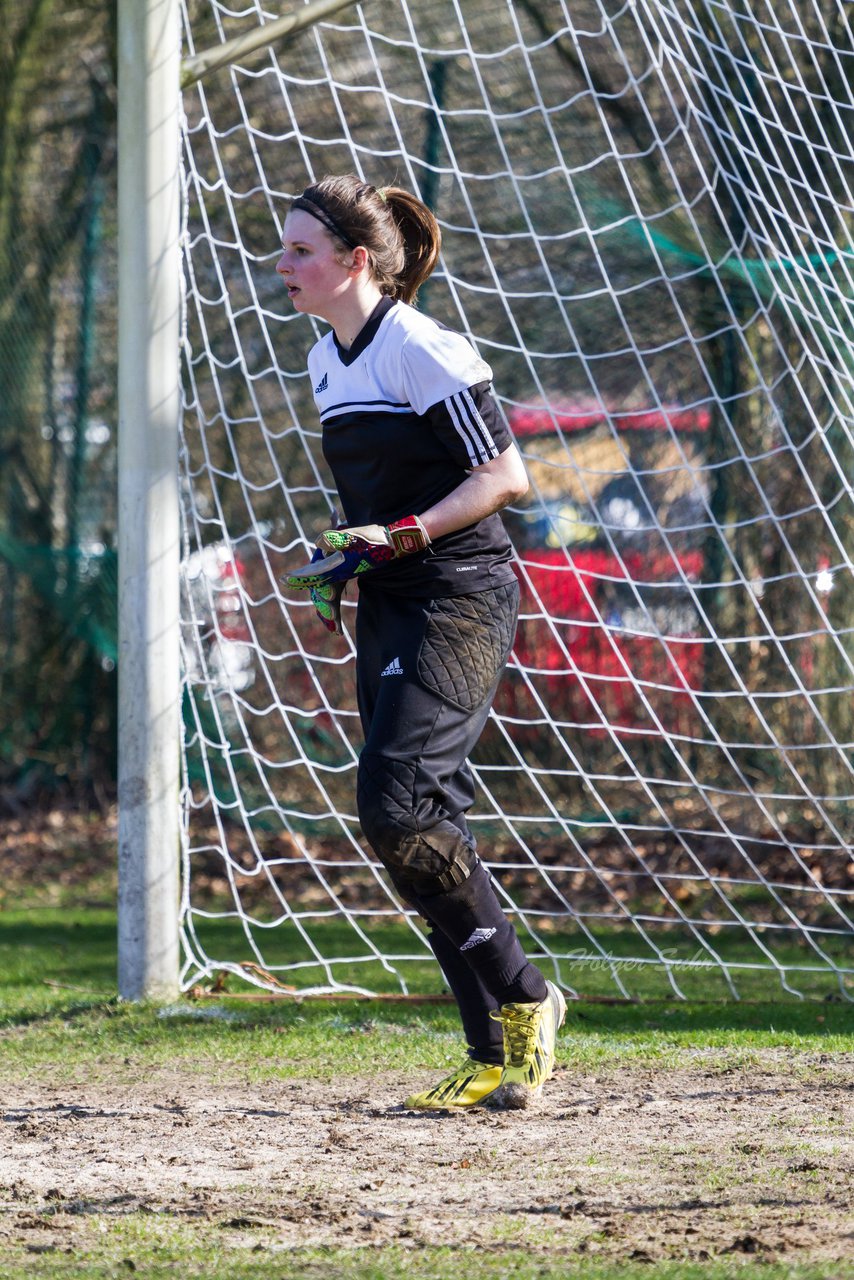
[422, 463]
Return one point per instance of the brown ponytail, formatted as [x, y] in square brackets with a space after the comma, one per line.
[422, 239]
[399, 232]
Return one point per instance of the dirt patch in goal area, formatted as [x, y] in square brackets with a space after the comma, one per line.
[646, 1164]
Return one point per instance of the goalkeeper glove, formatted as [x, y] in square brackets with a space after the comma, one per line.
[327, 604]
[326, 599]
[353, 551]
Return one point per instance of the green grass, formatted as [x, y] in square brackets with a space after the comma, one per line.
[154, 1250]
[341, 1265]
[60, 1022]
[60, 1015]
[705, 964]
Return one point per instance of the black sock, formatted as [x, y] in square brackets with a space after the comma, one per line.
[470, 916]
[483, 1034]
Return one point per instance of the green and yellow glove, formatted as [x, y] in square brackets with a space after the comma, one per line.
[327, 604]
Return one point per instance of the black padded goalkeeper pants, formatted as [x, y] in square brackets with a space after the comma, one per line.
[427, 671]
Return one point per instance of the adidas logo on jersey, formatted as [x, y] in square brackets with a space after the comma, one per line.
[393, 669]
[322, 385]
[476, 938]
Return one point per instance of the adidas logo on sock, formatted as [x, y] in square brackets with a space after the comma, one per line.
[475, 939]
[322, 385]
[393, 669]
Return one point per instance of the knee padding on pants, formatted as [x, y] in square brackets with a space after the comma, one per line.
[424, 851]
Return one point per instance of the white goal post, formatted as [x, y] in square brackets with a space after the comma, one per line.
[648, 232]
[149, 540]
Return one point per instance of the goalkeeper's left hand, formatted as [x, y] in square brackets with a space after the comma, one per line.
[327, 605]
[353, 551]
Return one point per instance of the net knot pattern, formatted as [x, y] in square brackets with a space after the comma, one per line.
[647, 216]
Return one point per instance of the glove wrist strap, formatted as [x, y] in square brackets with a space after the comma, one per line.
[408, 536]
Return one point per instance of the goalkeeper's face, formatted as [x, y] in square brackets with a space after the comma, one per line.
[314, 271]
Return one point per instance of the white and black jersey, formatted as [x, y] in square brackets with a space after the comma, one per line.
[407, 413]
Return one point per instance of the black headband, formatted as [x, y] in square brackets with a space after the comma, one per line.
[324, 217]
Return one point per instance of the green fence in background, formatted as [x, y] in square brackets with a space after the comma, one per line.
[57, 401]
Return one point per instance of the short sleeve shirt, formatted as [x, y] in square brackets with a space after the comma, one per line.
[407, 413]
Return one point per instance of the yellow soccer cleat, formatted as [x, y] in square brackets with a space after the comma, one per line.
[530, 1032]
[468, 1086]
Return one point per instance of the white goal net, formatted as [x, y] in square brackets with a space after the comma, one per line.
[646, 208]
